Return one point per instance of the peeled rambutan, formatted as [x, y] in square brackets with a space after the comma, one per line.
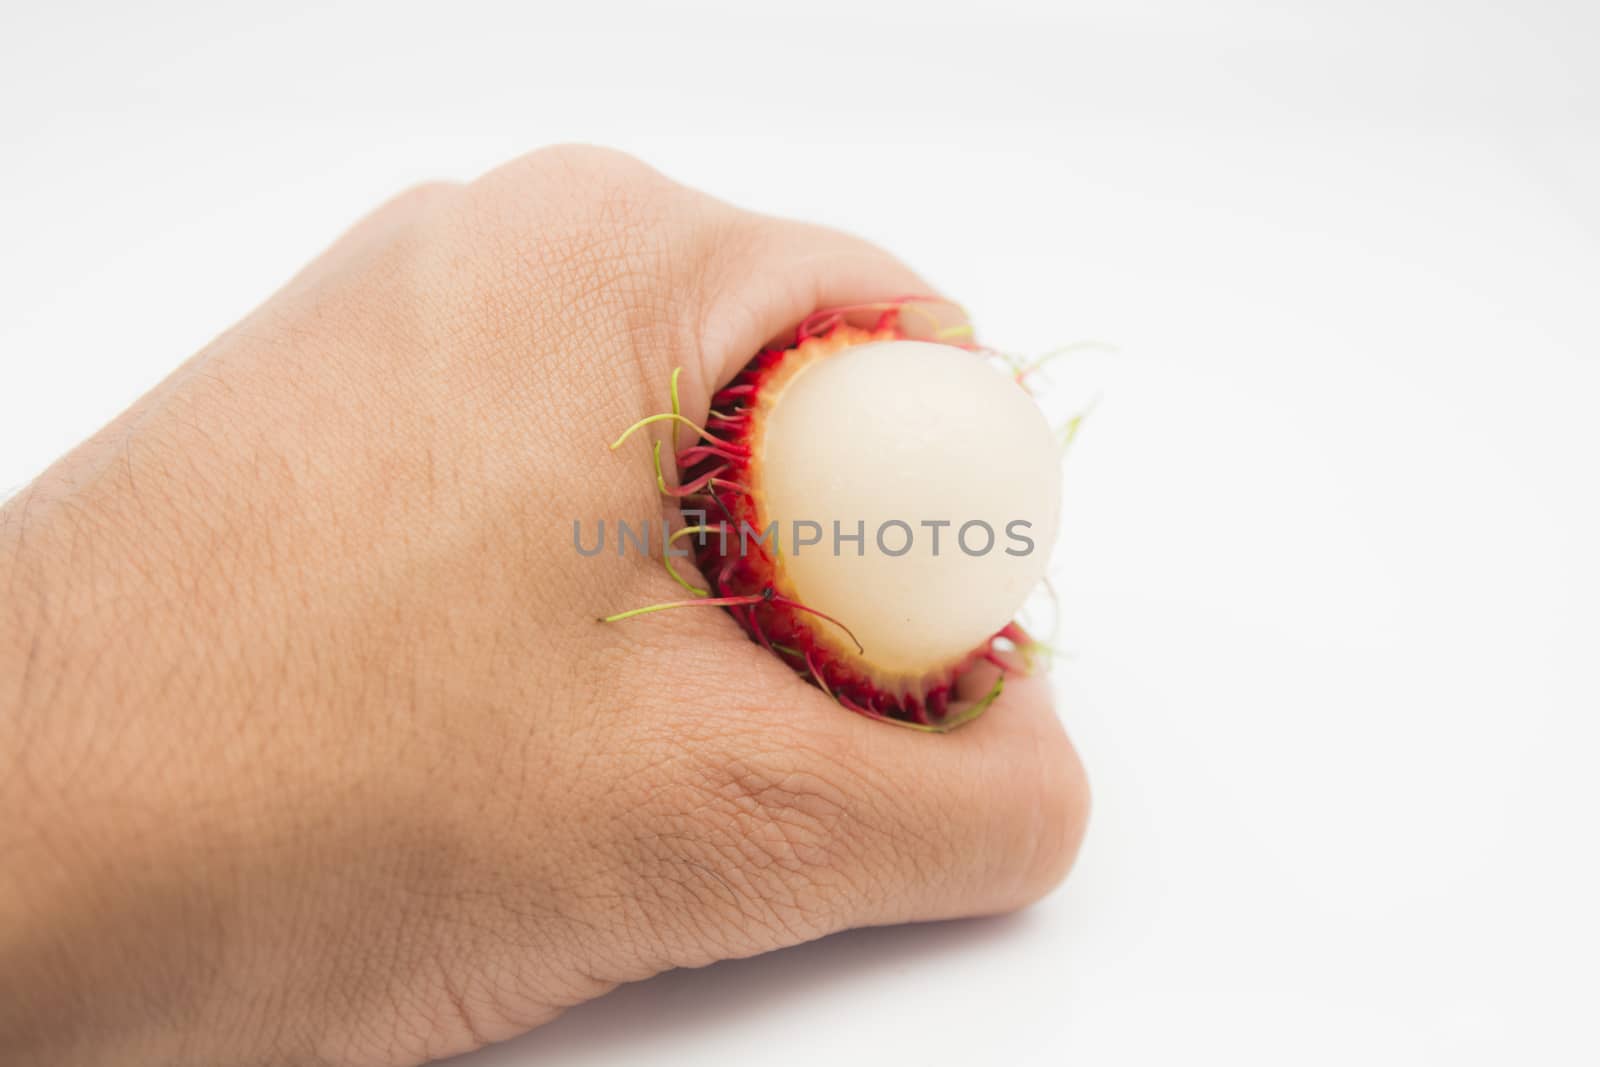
[873, 509]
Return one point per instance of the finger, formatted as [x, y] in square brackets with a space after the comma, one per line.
[989, 817]
[765, 275]
[789, 817]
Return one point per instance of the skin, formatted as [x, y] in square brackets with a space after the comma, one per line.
[311, 748]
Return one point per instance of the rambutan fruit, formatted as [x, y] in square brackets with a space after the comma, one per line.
[872, 508]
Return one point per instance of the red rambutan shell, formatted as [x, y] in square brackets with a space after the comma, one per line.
[724, 476]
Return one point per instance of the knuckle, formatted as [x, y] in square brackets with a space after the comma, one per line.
[593, 240]
[589, 162]
[575, 248]
[422, 199]
[586, 185]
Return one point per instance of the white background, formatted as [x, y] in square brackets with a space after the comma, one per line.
[1330, 573]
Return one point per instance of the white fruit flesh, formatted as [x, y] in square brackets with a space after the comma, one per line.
[916, 433]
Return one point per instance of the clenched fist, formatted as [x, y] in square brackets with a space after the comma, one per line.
[311, 748]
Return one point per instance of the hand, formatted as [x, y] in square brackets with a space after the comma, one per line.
[311, 748]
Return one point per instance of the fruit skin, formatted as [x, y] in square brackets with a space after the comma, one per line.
[719, 470]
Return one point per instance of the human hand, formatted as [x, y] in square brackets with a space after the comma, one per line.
[312, 750]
